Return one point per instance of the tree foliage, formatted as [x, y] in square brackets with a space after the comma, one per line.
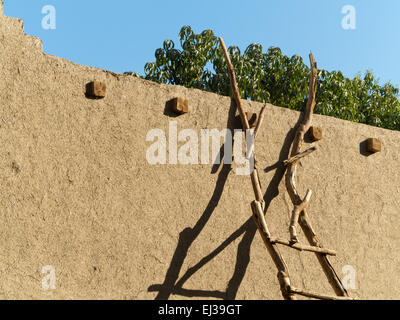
[274, 78]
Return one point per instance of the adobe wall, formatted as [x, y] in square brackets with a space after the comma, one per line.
[77, 193]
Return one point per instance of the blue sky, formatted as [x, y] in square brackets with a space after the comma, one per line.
[122, 35]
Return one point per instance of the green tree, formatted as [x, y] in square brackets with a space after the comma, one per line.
[274, 78]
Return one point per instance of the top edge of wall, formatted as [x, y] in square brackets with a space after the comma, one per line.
[1, 6]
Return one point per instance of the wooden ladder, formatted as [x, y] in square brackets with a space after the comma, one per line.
[299, 214]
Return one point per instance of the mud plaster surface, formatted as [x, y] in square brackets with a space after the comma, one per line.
[77, 193]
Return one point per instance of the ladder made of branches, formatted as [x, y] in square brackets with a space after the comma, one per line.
[299, 213]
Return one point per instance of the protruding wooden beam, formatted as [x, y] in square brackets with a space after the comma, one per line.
[179, 105]
[315, 133]
[374, 145]
[96, 89]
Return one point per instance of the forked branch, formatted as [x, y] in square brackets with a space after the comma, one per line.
[296, 146]
[290, 176]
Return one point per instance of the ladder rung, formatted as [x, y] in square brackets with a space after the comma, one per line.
[317, 295]
[302, 247]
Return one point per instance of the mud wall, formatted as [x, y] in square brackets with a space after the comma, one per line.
[77, 193]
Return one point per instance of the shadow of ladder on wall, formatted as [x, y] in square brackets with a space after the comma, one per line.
[299, 213]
